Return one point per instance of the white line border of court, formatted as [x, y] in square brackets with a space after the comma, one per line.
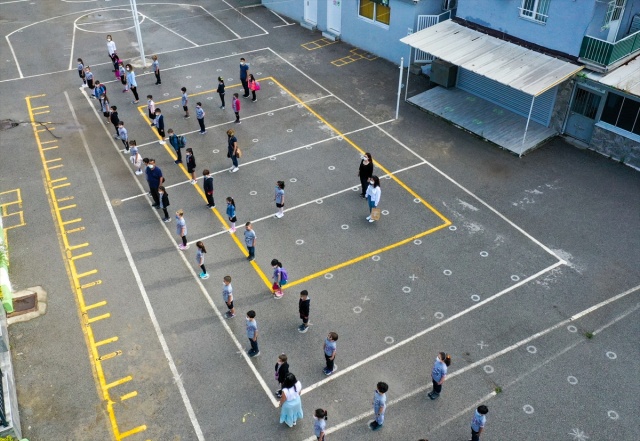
[400, 143]
[198, 281]
[495, 355]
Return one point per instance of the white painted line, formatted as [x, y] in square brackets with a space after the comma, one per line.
[222, 23]
[136, 274]
[171, 30]
[13, 1]
[428, 330]
[196, 277]
[466, 411]
[449, 178]
[286, 23]
[73, 43]
[245, 17]
[15, 59]
[494, 356]
[282, 26]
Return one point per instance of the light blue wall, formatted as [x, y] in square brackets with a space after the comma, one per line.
[568, 22]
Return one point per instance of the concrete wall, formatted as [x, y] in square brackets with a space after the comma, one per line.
[568, 21]
[561, 106]
[616, 147]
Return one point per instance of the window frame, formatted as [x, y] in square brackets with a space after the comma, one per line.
[630, 133]
[373, 20]
[539, 8]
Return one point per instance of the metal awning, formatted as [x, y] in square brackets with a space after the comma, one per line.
[626, 77]
[515, 66]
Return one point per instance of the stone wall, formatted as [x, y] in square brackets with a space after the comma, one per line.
[561, 106]
[616, 147]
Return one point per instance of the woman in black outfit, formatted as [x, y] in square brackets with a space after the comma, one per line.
[365, 172]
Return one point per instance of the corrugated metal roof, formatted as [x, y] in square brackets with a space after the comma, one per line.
[626, 77]
[529, 71]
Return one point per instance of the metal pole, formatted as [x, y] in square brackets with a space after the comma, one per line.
[134, 11]
[406, 84]
[533, 99]
[399, 86]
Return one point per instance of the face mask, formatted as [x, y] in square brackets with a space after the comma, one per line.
[161, 192]
[242, 63]
[151, 166]
[108, 39]
[128, 69]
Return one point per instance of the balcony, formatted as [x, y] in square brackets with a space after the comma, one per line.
[602, 56]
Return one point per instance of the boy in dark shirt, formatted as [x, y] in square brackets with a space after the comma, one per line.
[303, 308]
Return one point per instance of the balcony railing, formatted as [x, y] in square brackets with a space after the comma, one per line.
[603, 53]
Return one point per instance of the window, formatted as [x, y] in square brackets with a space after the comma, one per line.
[614, 12]
[622, 112]
[535, 10]
[376, 10]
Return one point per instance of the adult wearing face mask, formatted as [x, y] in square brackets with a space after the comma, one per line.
[365, 172]
[155, 179]
[244, 75]
[131, 80]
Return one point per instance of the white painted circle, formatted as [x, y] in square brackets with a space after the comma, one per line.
[299, 106]
[489, 369]
[572, 328]
[483, 254]
[345, 227]
[318, 121]
[438, 315]
[388, 177]
[254, 140]
[355, 188]
[253, 192]
[572, 380]
[165, 94]
[339, 138]
[293, 180]
[198, 87]
[417, 242]
[229, 79]
[309, 147]
[406, 289]
[613, 415]
[299, 242]
[611, 355]
[528, 409]
[271, 82]
[209, 97]
[216, 151]
[375, 258]
[532, 349]
[272, 158]
[389, 340]
[328, 276]
[112, 30]
[258, 73]
[357, 309]
[475, 297]
[175, 106]
[270, 113]
[146, 71]
[447, 272]
[453, 228]
[177, 65]
[384, 212]
[331, 167]
[417, 201]
[289, 130]
[515, 278]
[188, 77]
[319, 201]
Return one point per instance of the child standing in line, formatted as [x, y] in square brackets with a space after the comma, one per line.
[304, 304]
[478, 422]
[151, 108]
[250, 241]
[231, 213]
[115, 120]
[185, 101]
[104, 106]
[200, 117]
[88, 75]
[200, 259]
[181, 229]
[156, 69]
[81, 72]
[207, 185]
[164, 202]
[116, 65]
[159, 123]
[191, 165]
[220, 91]
[319, 424]
[123, 76]
[124, 137]
[235, 105]
[227, 296]
[439, 374]
[279, 198]
[279, 278]
[131, 81]
[253, 86]
[282, 369]
[252, 334]
[136, 160]
[178, 143]
[329, 348]
[379, 405]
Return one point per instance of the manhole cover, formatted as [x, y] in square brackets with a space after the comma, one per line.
[24, 305]
[7, 124]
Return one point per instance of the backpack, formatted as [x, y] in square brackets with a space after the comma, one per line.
[283, 275]
[182, 141]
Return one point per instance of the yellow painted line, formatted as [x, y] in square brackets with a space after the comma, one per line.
[66, 207]
[100, 317]
[46, 130]
[215, 211]
[55, 187]
[88, 273]
[91, 284]
[52, 160]
[41, 113]
[119, 382]
[53, 181]
[95, 305]
[46, 142]
[75, 247]
[107, 341]
[129, 395]
[179, 97]
[55, 166]
[50, 148]
[67, 198]
[82, 256]
[75, 230]
[133, 431]
[72, 221]
[107, 357]
[40, 107]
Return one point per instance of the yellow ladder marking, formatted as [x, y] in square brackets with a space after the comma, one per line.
[88, 273]
[75, 230]
[108, 356]
[40, 113]
[75, 247]
[55, 187]
[107, 341]
[119, 382]
[52, 160]
[72, 221]
[55, 166]
[133, 431]
[66, 207]
[91, 284]
[129, 395]
[96, 305]
[100, 317]
[59, 179]
[67, 198]
[82, 256]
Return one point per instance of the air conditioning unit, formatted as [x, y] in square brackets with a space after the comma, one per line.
[449, 4]
[443, 73]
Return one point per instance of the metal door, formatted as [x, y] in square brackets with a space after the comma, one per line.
[582, 115]
[311, 11]
[334, 16]
[425, 21]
